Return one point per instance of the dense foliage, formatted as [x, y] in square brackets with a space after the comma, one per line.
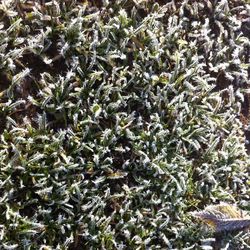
[118, 118]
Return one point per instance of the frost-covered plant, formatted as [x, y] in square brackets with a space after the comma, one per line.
[120, 118]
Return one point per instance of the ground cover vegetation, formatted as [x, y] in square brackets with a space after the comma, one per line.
[119, 119]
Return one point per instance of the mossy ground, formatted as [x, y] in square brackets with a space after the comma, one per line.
[118, 118]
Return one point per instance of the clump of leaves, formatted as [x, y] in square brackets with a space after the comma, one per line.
[120, 118]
